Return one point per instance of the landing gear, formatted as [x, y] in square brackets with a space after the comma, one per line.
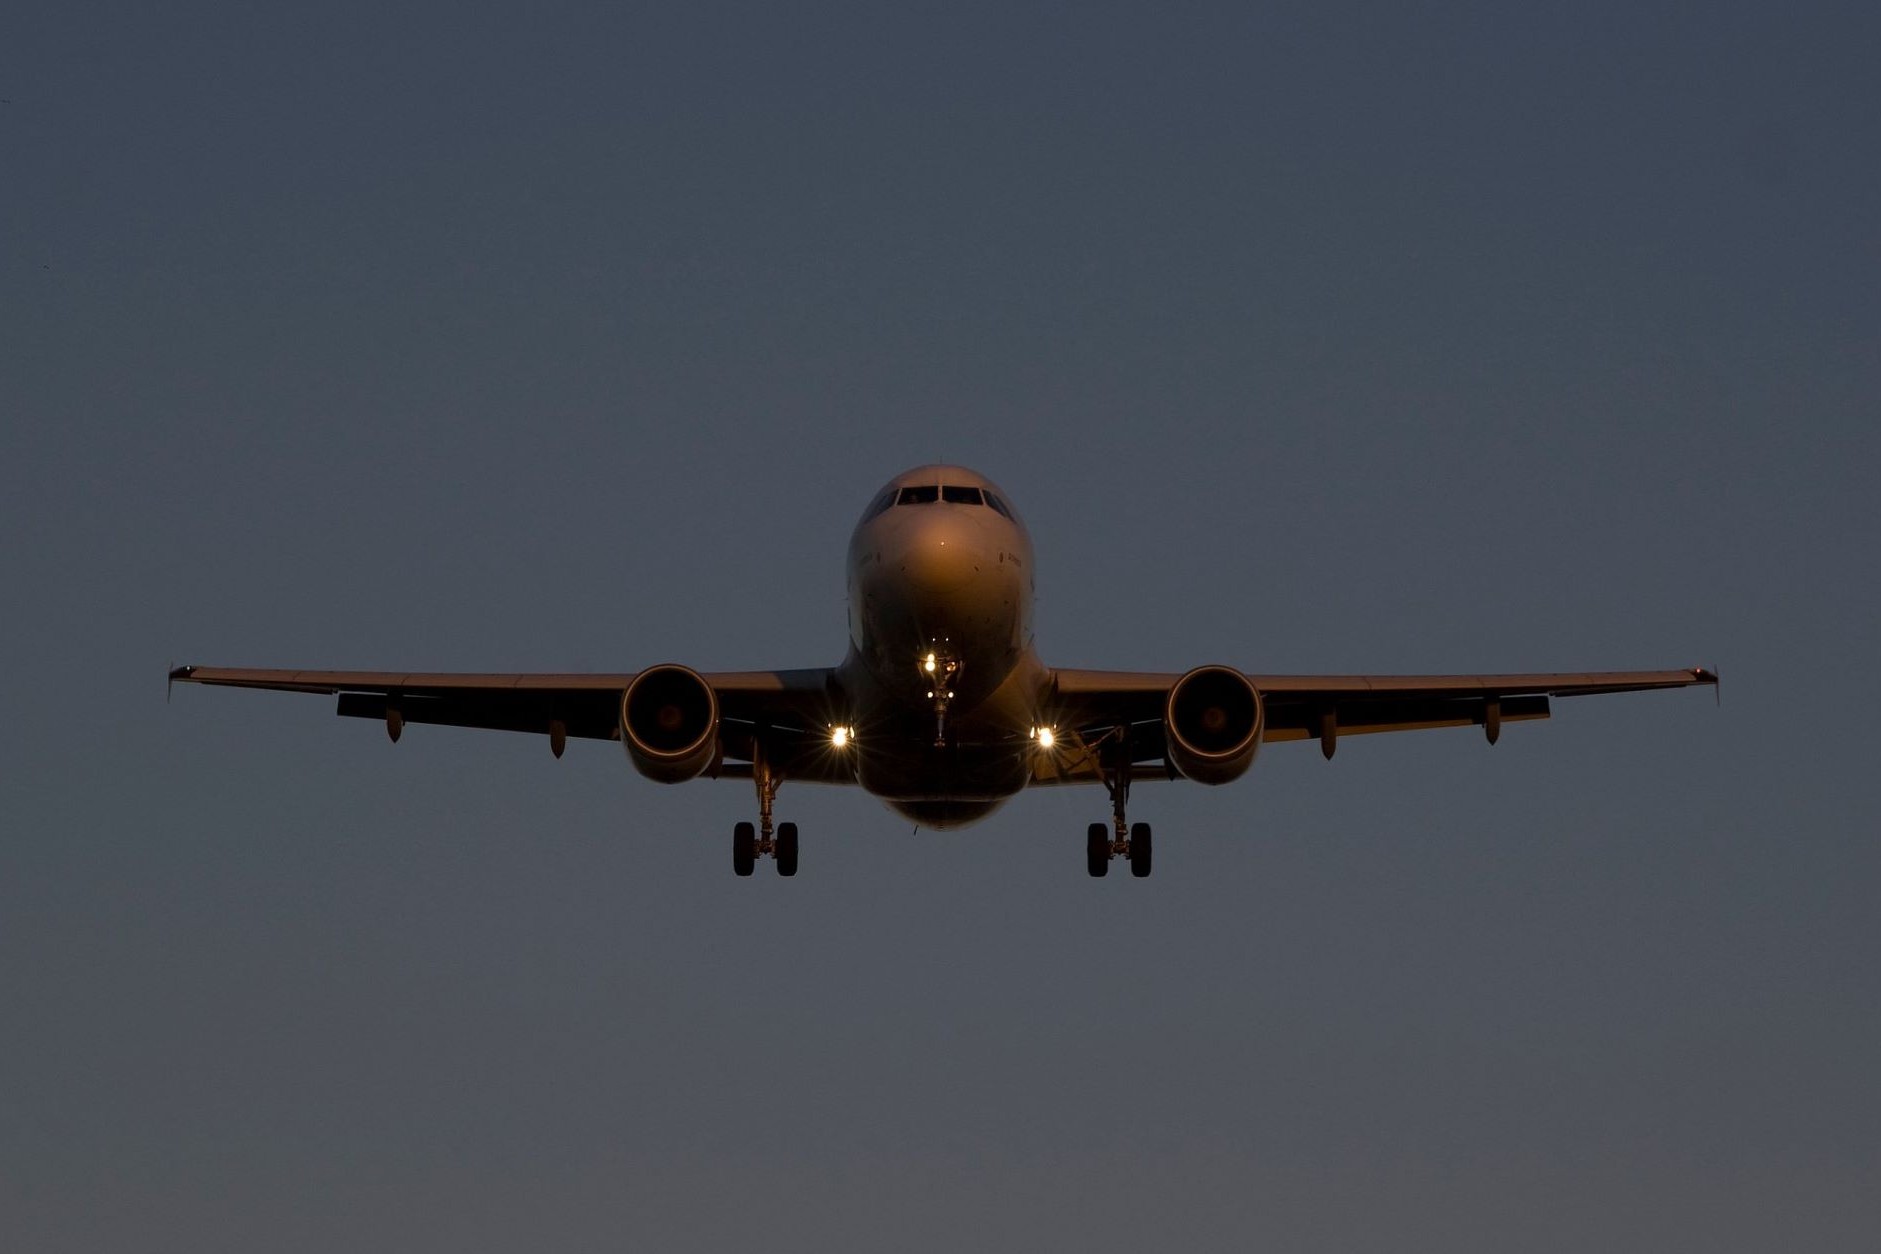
[744, 848]
[776, 841]
[940, 668]
[786, 849]
[1139, 851]
[1118, 838]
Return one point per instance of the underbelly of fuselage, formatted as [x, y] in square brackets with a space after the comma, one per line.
[947, 772]
[919, 770]
[945, 814]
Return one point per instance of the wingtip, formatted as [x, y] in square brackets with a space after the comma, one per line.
[1704, 675]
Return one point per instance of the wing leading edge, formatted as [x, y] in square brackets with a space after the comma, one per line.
[1325, 707]
[583, 706]
[795, 706]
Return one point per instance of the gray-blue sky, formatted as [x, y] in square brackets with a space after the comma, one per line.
[1312, 338]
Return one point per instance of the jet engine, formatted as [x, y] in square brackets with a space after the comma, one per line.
[1212, 723]
[669, 724]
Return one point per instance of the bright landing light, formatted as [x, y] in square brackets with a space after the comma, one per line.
[928, 664]
[839, 736]
[1044, 737]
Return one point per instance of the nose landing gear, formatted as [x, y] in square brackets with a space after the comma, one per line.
[939, 668]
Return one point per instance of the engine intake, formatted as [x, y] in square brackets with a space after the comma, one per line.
[669, 724]
[1212, 723]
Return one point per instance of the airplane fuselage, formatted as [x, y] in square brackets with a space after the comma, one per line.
[940, 657]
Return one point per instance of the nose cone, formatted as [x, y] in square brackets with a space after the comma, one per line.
[941, 556]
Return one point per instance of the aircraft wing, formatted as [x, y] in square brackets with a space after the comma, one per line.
[1325, 707]
[584, 705]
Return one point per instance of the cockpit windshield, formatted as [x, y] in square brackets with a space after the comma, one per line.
[929, 494]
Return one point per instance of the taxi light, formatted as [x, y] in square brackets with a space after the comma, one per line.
[928, 664]
[1045, 737]
[839, 737]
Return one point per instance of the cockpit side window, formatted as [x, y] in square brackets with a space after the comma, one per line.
[879, 504]
[926, 494]
[992, 498]
[961, 496]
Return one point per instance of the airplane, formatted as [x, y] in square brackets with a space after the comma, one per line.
[942, 707]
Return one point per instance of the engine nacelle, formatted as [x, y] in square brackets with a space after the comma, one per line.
[669, 724]
[1212, 723]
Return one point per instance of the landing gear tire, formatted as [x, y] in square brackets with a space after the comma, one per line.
[1097, 850]
[786, 853]
[1140, 848]
[744, 848]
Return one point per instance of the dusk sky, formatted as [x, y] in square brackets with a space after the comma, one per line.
[1307, 338]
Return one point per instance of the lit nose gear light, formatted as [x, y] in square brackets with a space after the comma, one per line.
[1045, 737]
[839, 737]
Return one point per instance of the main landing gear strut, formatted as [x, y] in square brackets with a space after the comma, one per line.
[1119, 838]
[779, 841]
